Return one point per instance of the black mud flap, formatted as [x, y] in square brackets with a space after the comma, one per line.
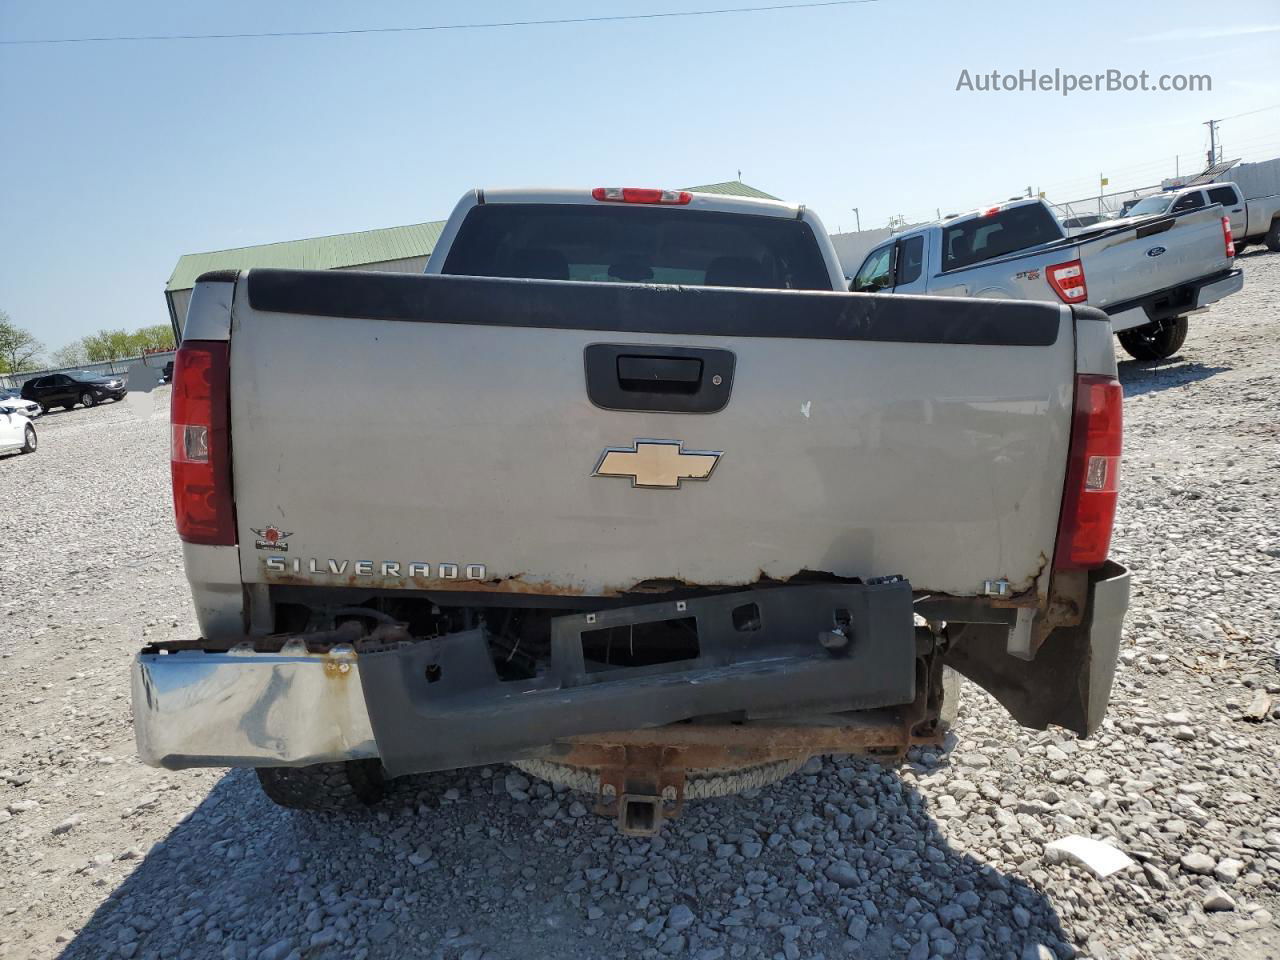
[1069, 681]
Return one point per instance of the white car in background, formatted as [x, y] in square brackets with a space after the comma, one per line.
[13, 402]
[17, 434]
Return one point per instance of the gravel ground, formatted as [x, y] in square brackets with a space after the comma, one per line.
[102, 857]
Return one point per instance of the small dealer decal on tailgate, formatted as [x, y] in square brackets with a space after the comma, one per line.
[657, 463]
[271, 538]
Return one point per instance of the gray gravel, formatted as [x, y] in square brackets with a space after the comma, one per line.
[101, 857]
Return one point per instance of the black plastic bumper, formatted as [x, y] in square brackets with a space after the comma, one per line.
[440, 704]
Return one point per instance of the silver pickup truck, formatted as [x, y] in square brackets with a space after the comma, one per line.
[1255, 220]
[626, 490]
[1147, 275]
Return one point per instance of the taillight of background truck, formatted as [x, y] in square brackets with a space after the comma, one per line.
[641, 195]
[200, 455]
[1067, 281]
[1093, 474]
[1227, 238]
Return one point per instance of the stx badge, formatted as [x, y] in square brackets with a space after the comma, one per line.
[271, 538]
[657, 463]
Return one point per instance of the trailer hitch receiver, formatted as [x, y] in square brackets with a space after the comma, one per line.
[640, 787]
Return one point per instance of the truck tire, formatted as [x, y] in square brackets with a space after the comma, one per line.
[1155, 341]
[325, 787]
[1273, 236]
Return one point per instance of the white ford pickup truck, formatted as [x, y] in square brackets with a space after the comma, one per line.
[629, 491]
[1148, 275]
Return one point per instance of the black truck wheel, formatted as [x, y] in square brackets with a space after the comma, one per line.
[325, 787]
[1155, 341]
[1273, 236]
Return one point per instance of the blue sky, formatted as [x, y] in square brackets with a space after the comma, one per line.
[120, 157]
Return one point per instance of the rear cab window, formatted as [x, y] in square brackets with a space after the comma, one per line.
[618, 243]
[997, 234]
[1223, 195]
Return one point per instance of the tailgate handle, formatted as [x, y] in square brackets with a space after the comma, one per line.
[650, 374]
[656, 377]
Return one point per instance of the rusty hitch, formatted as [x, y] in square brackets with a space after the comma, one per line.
[641, 786]
[643, 773]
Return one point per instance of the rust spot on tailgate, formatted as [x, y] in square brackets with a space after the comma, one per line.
[522, 584]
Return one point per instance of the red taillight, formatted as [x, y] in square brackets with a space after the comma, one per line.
[1067, 280]
[200, 455]
[1227, 238]
[989, 212]
[1093, 475]
[641, 195]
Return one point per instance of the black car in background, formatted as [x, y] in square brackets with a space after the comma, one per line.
[67, 389]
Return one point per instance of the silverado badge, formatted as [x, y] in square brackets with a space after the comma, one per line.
[656, 463]
[271, 538]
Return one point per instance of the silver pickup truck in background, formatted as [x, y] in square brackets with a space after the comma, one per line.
[629, 491]
[1147, 274]
[1252, 221]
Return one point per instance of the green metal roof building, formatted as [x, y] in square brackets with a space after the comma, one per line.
[395, 249]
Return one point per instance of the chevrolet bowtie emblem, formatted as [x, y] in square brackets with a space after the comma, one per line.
[656, 463]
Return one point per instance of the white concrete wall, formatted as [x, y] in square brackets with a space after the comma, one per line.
[1256, 179]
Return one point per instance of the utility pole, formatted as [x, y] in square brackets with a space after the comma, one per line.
[858, 217]
[1213, 141]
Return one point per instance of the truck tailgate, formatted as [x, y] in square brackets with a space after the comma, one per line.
[427, 432]
[1151, 256]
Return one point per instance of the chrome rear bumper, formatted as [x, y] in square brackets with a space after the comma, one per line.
[1213, 292]
[249, 709]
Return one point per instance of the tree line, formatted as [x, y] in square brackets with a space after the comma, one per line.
[20, 350]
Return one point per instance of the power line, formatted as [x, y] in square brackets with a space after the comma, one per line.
[558, 21]
[1248, 113]
[1111, 172]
